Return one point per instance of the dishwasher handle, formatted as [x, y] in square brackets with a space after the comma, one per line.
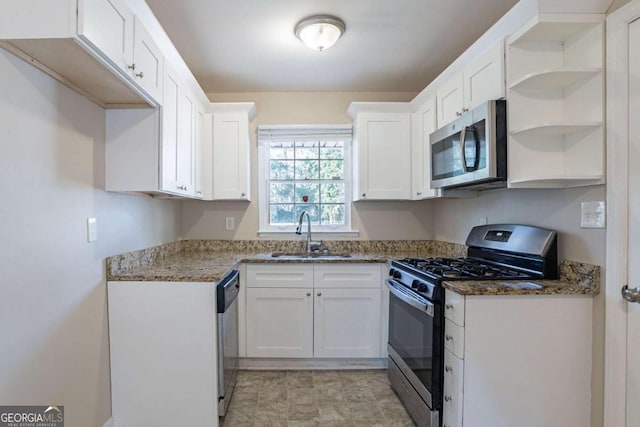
[227, 290]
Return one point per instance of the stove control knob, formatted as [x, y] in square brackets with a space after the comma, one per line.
[397, 274]
[422, 287]
[415, 284]
[392, 272]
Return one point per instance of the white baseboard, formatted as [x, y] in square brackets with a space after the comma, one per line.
[110, 423]
[287, 364]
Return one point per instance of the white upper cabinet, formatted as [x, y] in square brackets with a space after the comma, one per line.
[202, 148]
[481, 80]
[555, 75]
[231, 147]
[108, 26]
[381, 151]
[146, 68]
[90, 45]
[423, 124]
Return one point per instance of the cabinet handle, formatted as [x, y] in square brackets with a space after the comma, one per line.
[140, 74]
[319, 294]
[447, 398]
[132, 67]
[308, 294]
[448, 337]
[418, 194]
[458, 113]
[448, 369]
[448, 306]
[465, 110]
[198, 192]
[182, 187]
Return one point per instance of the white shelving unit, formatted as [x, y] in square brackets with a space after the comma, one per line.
[555, 81]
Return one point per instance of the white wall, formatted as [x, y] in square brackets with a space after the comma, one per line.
[374, 220]
[53, 318]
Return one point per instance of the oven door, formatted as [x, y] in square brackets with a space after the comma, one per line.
[416, 341]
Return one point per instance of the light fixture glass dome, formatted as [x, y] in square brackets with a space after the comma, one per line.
[320, 32]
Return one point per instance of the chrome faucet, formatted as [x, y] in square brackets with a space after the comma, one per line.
[311, 245]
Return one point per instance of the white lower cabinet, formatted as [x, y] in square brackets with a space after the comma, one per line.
[322, 311]
[279, 322]
[162, 341]
[517, 360]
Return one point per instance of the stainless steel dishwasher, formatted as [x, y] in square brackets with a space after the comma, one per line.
[227, 300]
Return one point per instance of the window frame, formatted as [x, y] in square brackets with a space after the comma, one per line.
[264, 228]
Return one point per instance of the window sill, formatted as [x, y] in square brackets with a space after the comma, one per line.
[323, 233]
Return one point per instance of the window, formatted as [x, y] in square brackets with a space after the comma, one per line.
[305, 168]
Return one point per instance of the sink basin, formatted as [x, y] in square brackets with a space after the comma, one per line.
[305, 255]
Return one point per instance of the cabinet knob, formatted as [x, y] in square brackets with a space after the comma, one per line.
[182, 187]
[464, 109]
[198, 192]
[448, 306]
[140, 74]
[458, 113]
[308, 294]
[319, 294]
[448, 369]
[448, 337]
[418, 193]
[242, 195]
[364, 194]
[447, 398]
[132, 67]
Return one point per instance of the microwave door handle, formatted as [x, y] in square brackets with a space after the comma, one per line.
[463, 156]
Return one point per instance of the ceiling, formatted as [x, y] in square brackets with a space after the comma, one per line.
[388, 45]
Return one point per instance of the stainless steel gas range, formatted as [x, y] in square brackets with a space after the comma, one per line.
[417, 305]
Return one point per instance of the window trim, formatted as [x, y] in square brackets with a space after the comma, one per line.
[264, 228]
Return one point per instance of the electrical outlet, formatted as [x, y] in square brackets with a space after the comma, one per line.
[230, 223]
[92, 230]
[592, 215]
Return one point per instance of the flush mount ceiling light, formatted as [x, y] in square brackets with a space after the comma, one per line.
[320, 32]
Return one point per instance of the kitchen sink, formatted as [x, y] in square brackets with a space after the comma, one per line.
[305, 255]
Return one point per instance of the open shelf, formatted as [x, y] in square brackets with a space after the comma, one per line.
[554, 78]
[556, 181]
[555, 129]
[551, 32]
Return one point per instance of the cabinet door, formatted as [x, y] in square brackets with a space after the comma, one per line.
[170, 111]
[199, 149]
[147, 62]
[279, 322]
[484, 78]
[450, 99]
[384, 156]
[230, 156]
[346, 322]
[424, 124]
[108, 25]
[453, 390]
[186, 139]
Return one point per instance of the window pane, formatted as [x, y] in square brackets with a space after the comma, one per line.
[307, 150]
[332, 152]
[281, 193]
[285, 153]
[307, 169]
[332, 169]
[332, 193]
[312, 191]
[281, 214]
[332, 214]
[281, 169]
[313, 213]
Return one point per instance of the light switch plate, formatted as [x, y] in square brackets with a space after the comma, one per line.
[92, 230]
[592, 215]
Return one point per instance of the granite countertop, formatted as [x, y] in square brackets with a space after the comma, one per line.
[209, 261]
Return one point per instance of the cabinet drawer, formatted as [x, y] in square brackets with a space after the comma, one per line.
[351, 276]
[279, 276]
[454, 307]
[453, 391]
[454, 338]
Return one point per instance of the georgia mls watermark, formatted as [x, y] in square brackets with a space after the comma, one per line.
[32, 416]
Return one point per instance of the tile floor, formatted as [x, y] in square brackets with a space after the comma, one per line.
[315, 398]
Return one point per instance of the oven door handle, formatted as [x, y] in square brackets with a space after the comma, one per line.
[421, 304]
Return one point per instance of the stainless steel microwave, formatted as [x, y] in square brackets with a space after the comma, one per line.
[471, 152]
